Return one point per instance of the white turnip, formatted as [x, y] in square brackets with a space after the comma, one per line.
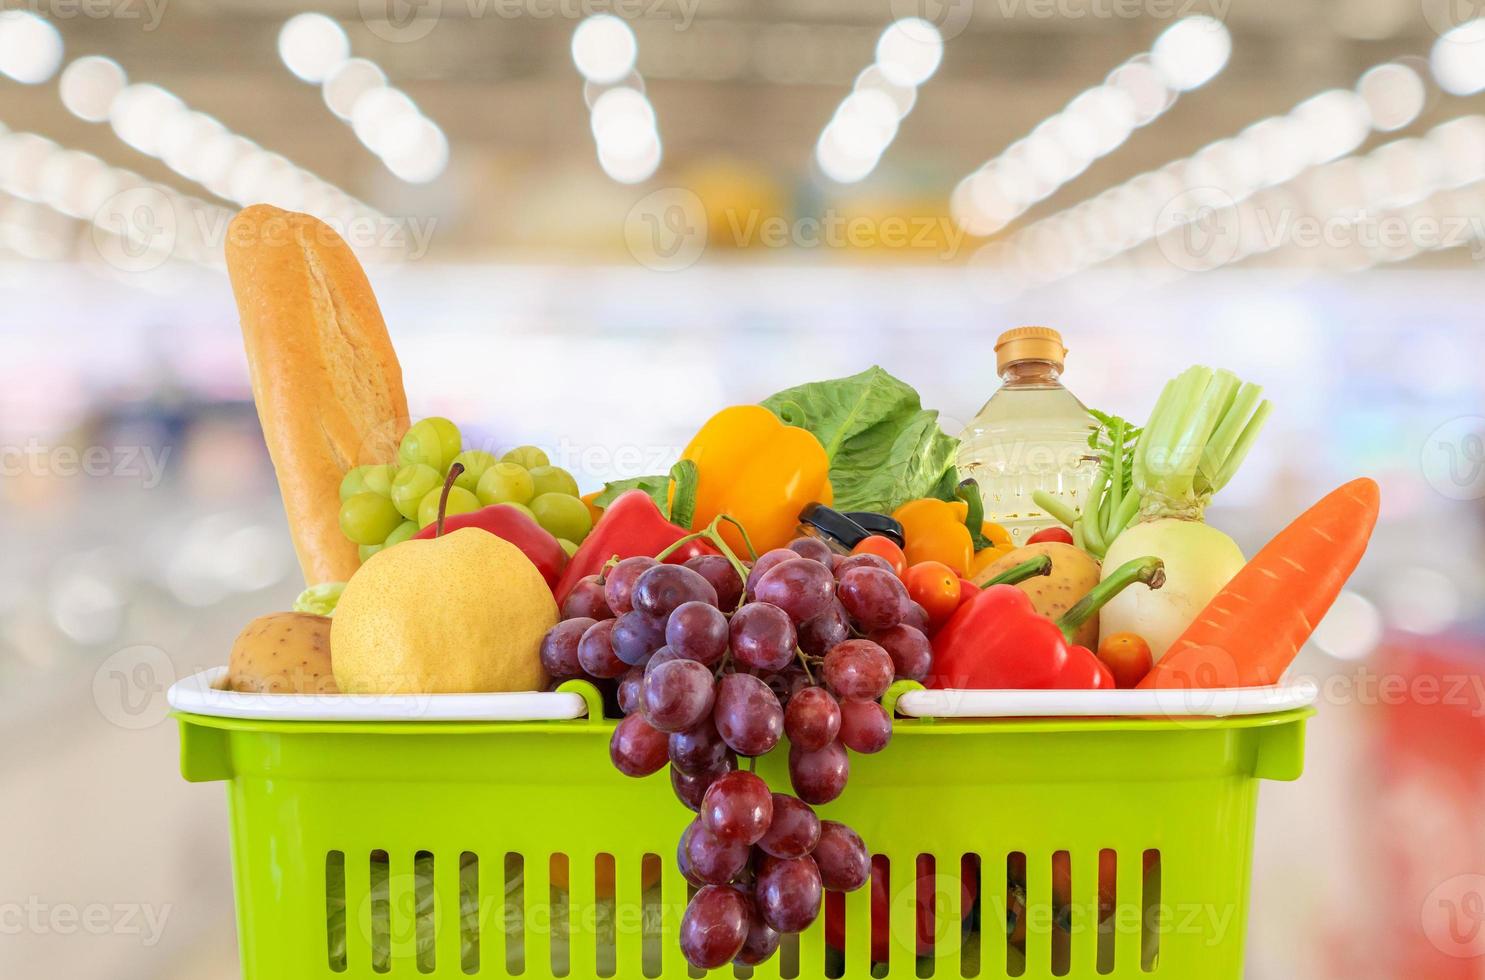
[1199, 561]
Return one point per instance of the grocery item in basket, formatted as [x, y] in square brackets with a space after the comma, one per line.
[1074, 574]
[319, 599]
[283, 653]
[784, 661]
[998, 640]
[953, 532]
[1252, 630]
[1127, 656]
[759, 471]
[517, 528]
[884, 447]
[1196, 438]
[325, 377]
[631, 527]
[462, 612]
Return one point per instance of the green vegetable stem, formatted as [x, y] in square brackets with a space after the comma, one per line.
[1111, 505]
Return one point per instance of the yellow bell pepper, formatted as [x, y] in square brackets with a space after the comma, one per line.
[756, 469]
[939, 530]
[935, 531]
[1000, 544]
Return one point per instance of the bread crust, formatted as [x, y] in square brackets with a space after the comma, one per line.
[325, 376]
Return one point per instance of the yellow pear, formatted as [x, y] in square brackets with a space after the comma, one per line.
[461, 612]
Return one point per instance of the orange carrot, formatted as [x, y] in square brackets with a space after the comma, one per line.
[1249, 634]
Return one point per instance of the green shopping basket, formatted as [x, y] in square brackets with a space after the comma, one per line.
[1035, 848]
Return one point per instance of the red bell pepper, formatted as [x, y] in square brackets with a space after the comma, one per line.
[999, 641]
[503, 522]
[631, 525]
[512, 525]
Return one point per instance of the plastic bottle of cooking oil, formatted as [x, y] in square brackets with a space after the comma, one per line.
[1031, 435]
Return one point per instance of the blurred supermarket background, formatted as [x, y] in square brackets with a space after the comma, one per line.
[589, 231]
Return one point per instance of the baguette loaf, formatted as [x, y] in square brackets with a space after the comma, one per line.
[325, 377]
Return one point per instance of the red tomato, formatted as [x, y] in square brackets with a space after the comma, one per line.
[885, 548]
[934, 586]
[1127, 657]
[1058, 533]
[967, 590]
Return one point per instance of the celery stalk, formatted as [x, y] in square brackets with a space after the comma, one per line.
[1116, 479]
[1244, 443]
[1202, 427]
[1089, 523]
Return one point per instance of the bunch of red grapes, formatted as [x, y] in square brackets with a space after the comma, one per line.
[710, 667]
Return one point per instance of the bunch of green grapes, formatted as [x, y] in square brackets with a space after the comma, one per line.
[386, 504]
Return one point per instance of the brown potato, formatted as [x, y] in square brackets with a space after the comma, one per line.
[283, 653]
[1074, 574]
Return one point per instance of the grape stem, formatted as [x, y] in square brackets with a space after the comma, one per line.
[713, 536]
[805, 663]
[747, 541]
[443, 498]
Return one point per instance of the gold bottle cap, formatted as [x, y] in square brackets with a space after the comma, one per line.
[1029, 344]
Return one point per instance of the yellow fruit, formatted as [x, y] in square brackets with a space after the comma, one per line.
[285, 653]
[459, 613]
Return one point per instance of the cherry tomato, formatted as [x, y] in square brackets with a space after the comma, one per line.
[967, 590]
[935, 587]
[886, 549]
[1051, 534]
[1127, 656]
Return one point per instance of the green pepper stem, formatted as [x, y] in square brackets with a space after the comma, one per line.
[1031, 568]
[974, 518]
[1148, 571]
